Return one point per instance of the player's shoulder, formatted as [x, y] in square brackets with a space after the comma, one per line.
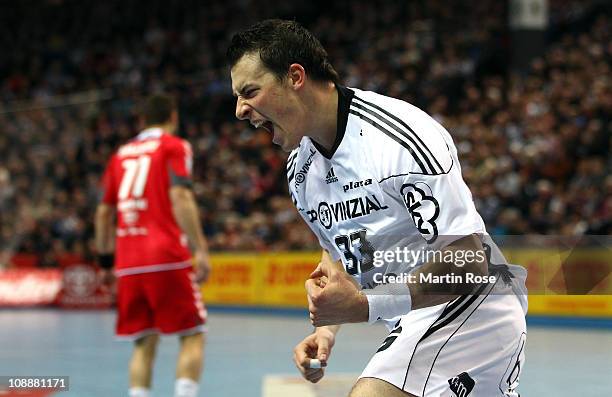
[169, 139]
[145, 142]
[408, 139]
[113, 162]
[173, 143]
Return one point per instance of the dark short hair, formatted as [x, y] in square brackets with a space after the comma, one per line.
[158, 108]
[281, 43]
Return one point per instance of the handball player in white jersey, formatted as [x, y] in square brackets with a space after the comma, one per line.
[379, 182]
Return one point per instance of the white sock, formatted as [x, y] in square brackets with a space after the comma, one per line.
[139, 392]
[185, 387]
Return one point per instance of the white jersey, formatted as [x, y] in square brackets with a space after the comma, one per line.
[392, 180]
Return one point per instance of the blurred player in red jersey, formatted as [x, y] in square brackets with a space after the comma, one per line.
[148, 183]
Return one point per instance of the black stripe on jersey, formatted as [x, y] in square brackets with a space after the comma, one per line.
[441, 321]
[401, 135]
[451, 335]
[392, 136]
[417, 173]
[439, 324]
[291, 159]
[450, 307]
[291, 163]
[444, 319]
[408, 131]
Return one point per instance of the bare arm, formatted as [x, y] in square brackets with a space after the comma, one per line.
[431, 294]
[431, 284]
[341, 300]
[326, 257]
[188, 218]
[317, 345]
[104, 229]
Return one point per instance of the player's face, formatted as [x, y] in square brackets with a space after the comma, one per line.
[265, 101]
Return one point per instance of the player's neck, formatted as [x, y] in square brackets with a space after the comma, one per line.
[325, 115]
[168, 128]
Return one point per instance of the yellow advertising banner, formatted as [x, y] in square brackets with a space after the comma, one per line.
[253, 279]
[557, 282]
[283, 279]
[574, 283]
[573, 272]
[571, 305]
[235, 280]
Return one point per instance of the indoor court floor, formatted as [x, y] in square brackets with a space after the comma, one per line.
[249, 354]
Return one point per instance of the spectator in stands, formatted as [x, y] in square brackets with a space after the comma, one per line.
[552, 124]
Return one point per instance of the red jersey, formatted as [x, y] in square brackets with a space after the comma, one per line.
[137, 181]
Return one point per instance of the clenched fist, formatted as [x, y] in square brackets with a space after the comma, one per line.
[334, 297]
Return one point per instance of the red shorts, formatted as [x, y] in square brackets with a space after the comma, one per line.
[167, 302]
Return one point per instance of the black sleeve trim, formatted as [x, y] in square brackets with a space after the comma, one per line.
[176, 180]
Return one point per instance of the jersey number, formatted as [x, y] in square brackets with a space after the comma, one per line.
[135, 177]
[357, 252]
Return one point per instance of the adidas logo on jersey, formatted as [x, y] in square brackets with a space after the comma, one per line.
[331, 176]
[355, 185]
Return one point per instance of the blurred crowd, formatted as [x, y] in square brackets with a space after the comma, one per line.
[534, 146]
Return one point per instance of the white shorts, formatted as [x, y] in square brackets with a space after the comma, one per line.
[472, 346]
